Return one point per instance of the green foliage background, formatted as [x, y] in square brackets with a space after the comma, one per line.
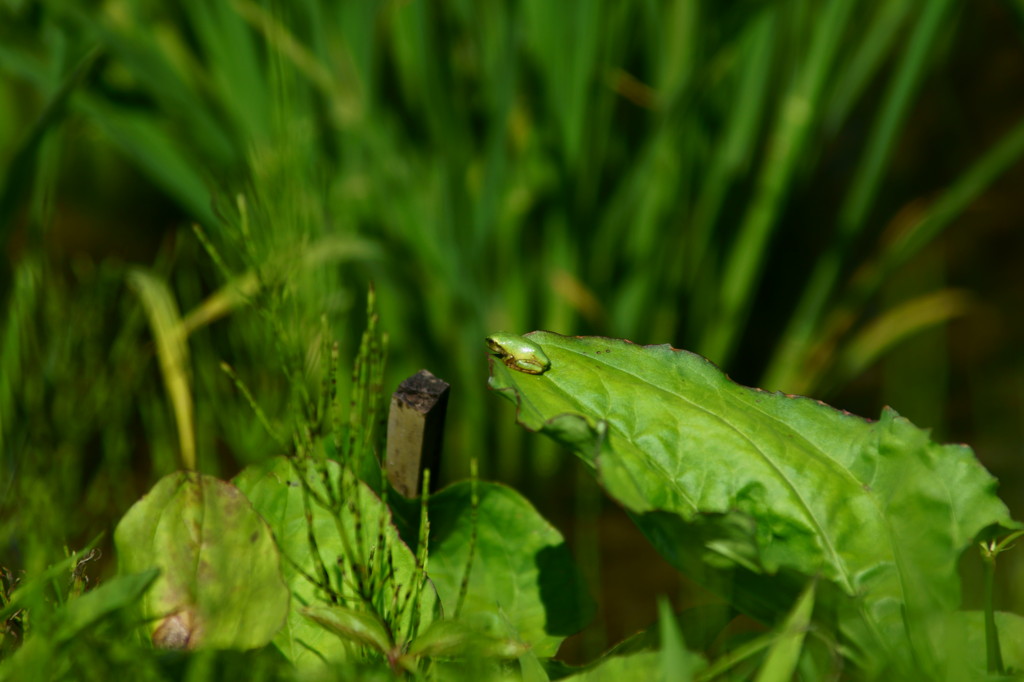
[805, 192]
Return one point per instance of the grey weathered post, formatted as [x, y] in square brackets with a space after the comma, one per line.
[415, 430]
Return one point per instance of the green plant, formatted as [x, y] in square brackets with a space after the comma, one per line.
[764, 181]
[617, 169]
[781, 502]
[302, 555]
[839, 534]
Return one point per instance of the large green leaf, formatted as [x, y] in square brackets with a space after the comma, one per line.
[756, 492]
[371, 581]
[220, 584]
[962, 637]
[645, 665]
[521, 564]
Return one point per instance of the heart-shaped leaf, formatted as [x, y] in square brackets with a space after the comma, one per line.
[220, 582]
[341, 550]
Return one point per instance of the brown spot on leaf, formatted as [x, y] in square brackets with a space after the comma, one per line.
[181, 630]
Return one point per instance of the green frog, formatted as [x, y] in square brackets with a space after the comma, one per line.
[518, 352]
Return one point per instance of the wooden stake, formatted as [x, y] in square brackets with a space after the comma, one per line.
[415, 430]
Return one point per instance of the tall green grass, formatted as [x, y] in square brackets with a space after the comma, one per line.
[718, 176]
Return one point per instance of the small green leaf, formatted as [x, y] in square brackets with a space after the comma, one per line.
[220, 582]
[117, 593]
[362, 627]
[676, 662]
[646, 665]
[531, 669]
[785, 652]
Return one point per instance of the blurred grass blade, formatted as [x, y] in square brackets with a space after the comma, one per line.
[677, 663]
[868, 56]
[34, 590]
[144, 138]
[415, 47]
[860, 198]
[737, 148]
[235, 293]
[343, 95]
[679, 32]
[894, 111]
[911, 230]
[168, 333]
[794, 121]
[565, 37]
[784, 654]
[1003, 154]
[120, 592]
[14, 346]
[162, 60]
[361, 41]
[236, 71]
[19, 174]
[895, 325]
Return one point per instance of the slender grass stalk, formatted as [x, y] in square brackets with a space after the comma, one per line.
[993, 652]
[589, 502]
[422, 561]
[989, 552]
[261, 416]
[172, 349]
[471, 554]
